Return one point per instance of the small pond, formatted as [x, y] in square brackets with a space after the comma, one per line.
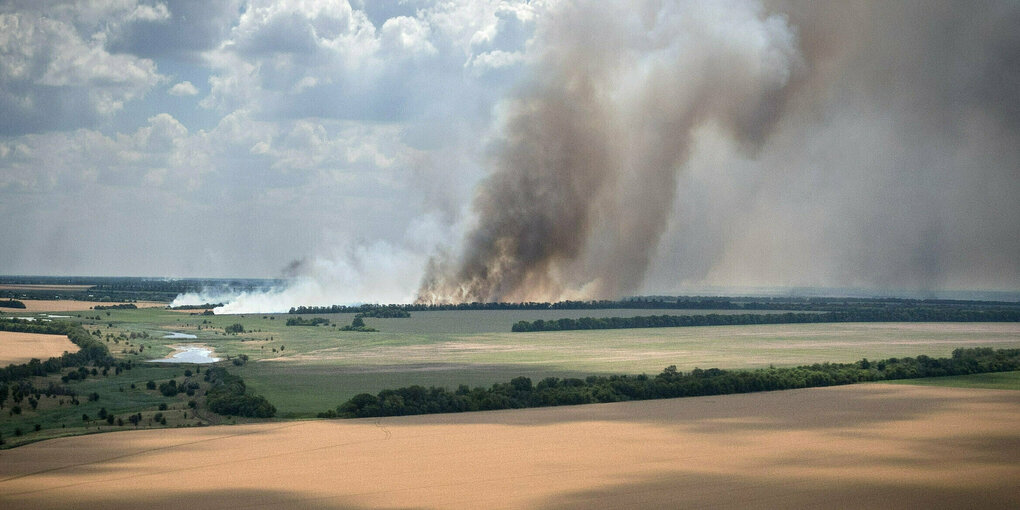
[189, 354]
[179, 335]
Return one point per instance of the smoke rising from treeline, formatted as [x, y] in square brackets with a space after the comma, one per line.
[859, 143]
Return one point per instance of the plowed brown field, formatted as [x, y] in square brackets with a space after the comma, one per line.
[868, 445]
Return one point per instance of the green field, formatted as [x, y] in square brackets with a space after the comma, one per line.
[315, 368]
[303, 370]
[994, 381]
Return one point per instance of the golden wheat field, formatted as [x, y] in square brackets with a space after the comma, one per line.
[22, 347]
[867, 445]
[68, 305]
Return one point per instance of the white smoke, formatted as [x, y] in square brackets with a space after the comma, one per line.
[376, 272]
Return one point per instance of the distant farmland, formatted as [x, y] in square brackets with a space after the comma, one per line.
[296, 379]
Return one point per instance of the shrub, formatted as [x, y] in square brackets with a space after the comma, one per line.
[228, 396]
[170, 388]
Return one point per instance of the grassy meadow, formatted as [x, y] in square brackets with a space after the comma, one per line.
[992, 381]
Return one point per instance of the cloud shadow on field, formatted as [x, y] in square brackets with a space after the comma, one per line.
[886, 446]
[704, 490]
[201, 500]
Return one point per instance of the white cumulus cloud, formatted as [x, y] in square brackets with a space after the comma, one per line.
[184, 88]
[52, 74]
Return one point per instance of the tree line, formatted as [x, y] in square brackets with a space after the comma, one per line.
[520, 392]
[905, 314]
[803, 304]
[204, 306]
[11, 303]
[384, 312]
[122, 306]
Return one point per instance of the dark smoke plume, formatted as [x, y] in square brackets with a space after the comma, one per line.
[585, 181]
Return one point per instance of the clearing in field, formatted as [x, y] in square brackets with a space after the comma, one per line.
[869, 445]
[22, 347]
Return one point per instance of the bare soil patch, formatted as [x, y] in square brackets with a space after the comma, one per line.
[22, 347]
[871, 445]
[67, 305]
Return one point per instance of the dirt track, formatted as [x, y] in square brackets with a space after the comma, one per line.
[22, 347]
[871, 445]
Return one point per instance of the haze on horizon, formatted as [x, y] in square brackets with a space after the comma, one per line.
[448, 150]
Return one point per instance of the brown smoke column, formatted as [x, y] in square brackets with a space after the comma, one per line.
[584, 180]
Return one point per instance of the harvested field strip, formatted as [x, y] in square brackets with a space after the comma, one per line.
[872, 445]
[32, 286]
[19, 348]
[68, 305]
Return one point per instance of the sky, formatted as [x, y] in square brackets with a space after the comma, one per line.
[469, 149]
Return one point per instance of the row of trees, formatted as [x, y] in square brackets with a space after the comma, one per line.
[856, 315]
[823, 304]
[418, 307]
[197, 307]
[121, 306]
[671, 383]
